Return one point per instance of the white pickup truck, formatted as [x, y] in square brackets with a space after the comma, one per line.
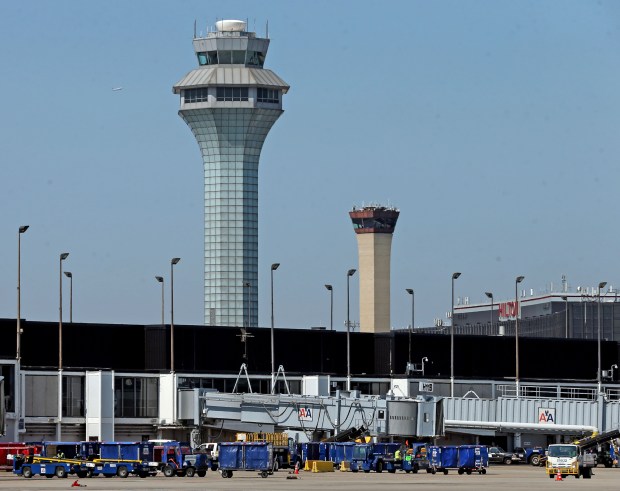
[569, 460]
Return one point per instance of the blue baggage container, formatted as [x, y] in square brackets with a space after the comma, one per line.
[90, 450]
[473, 458]
[443, 458]
[342, 452]
[248, 456]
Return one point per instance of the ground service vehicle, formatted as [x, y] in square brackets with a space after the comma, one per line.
[212, 451]
[374, 457]
[497, 455]
[29, 466]
[246, 456]
[285, 453]
[529, 455]
[569, 459]
[120, 459]
[416, 457]
[171, 460]
[10, 449]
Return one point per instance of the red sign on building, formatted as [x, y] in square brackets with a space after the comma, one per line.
[508, 310]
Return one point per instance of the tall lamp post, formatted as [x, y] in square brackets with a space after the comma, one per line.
[601, 285]
[22, 230]
[518, 280]
[490, 295]
[160, 279]
[412, 293]
[274, 266]
[331, 306]
[350, 273]
[454, 277]
[63, 256]
[69, 275]
[173, 261]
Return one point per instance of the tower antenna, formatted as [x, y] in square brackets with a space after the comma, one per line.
[267, 29]
[194, 28]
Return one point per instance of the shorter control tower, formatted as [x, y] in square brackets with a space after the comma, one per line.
[374, 226]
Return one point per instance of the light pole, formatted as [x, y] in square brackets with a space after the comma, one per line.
[160, 279]
[350, 273]
[490, 295]
[69, 275]
[18, 354]
[425, 359]
[518, 280]
[601, 285]
[274, 266]
[173, 261]
[248, 285]
[565, 298]
[63, 256]
[412, 293]
[612, 371]
[454, 277]
[331, 307]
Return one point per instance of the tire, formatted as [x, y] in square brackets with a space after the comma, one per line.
[224, 474]
[366, 471]
[535, 460]
[60, 472]
[214, 467]
[550, 476]
[468, 471]
[229, 475]
[507, 461]
[391, 471]
[27, 472]
[354, 470]
[484, 471]
[379, 467]
[168, 471]
[143, 474]
[407, 471]
[80, 474]
[189, 472]
[201, 473]
[415, 468]
[461, 471]
[263, 474]
[445, 472]
[122, 472]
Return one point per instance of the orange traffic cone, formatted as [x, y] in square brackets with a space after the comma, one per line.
[297, 468]
[558, 476]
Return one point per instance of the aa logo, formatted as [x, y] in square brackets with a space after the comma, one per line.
[546, 415]
[305, 414]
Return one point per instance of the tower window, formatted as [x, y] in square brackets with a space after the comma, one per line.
[232, 93]
[195, 95]
[207, 58]
[268, 95]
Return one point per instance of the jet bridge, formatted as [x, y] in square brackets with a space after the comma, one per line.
[381, 416]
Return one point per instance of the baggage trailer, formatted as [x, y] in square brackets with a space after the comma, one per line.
[246, 456]
[443, 458]
[473, 458]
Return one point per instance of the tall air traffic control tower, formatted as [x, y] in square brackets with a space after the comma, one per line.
[374, 227]
[230, 103]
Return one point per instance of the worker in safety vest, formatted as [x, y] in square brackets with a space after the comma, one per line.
[397, 455]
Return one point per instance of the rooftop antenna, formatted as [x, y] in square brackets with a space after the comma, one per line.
[267, 29]
[194, 28]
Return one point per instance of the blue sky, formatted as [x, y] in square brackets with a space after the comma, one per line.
[492, 125]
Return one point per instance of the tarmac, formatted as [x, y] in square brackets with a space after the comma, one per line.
[513, 477]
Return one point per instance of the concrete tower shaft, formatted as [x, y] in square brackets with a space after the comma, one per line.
[374, 227]
[230, 103]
